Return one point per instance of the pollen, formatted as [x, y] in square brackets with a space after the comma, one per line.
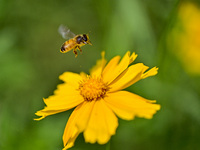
[93, 89]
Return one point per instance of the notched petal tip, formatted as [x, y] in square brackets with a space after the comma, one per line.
[39, 114]
[133, 57]
[38, 119]
[153, 71]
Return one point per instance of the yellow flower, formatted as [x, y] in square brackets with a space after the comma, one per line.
[184, 39]
[98, 98]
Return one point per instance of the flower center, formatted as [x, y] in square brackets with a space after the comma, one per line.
[93, 89]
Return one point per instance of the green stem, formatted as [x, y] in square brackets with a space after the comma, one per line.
[108, 146]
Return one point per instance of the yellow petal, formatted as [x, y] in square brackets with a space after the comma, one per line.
[76, 123]
[97, 69]
[71, 132]
[61, 101]
[153, 71]
[130, 75]
[50, 110]
[102, 124]
[133, 74]
[65, 94]
[44, 112]
[110, 66]
[115, 68]
[84, 115]
[127, 105]
[72, 79]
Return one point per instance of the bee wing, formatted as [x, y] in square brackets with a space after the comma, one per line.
[65, 32]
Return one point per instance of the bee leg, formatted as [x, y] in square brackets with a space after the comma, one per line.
[78, 47]
[75, 51]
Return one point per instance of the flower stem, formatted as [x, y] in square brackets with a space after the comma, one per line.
[108, 146]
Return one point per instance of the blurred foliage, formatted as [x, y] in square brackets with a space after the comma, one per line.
[30, 63]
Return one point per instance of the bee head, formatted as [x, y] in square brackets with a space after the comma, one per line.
[86, 39]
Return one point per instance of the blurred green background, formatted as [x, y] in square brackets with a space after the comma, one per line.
[30, 63]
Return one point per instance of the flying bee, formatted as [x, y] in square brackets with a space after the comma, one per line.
[75, 41]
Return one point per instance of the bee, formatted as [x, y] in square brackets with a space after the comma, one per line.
[75, 41]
